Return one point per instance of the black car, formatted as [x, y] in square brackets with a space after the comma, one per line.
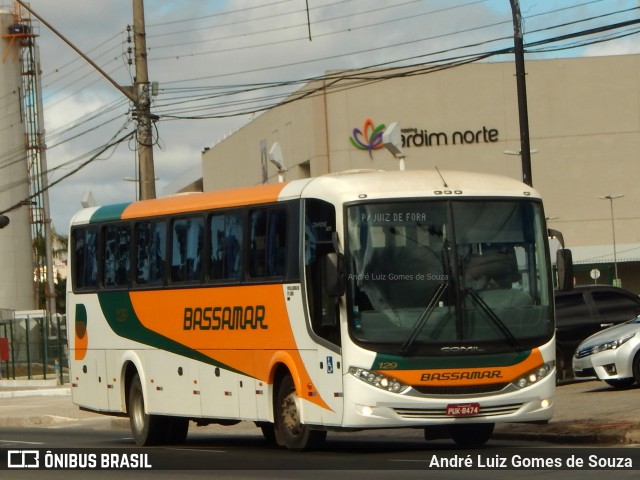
[583, 311]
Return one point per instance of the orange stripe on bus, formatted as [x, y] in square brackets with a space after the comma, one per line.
[249, 343]
[194, 202]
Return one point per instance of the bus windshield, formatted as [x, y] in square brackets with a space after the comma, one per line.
[433, 277]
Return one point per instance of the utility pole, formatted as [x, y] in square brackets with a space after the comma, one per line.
[143, 106]
[518, 42]
[139, 95]
[50, 286]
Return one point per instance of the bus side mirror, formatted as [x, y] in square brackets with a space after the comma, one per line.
[333, 274]
[564, 264]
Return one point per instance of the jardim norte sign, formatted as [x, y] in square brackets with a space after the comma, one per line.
[412, 137]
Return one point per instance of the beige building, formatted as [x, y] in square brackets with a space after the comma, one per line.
[584, 118]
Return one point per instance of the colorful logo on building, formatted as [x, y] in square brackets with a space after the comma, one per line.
[369, 138]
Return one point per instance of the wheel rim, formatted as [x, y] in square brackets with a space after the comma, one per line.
[137, 411]
[290, 416]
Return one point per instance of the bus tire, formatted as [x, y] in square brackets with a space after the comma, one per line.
[290, 432]
[268, 432]
[471, 434]
[146, 429]
[176, 430]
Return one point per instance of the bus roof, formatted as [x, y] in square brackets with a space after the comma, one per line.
[342, 186]
[370, 184]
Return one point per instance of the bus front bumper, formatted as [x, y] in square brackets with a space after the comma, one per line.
[368, 406]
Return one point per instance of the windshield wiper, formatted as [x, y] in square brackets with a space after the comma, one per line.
[494, 318]
[417, 328]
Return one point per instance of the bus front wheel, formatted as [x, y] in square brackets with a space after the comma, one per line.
[290, 432]
[268, 432]
[146, 429]
[471, 434]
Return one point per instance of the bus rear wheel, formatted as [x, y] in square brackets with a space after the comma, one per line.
[471, 434]
[290, 432]
[146, 429]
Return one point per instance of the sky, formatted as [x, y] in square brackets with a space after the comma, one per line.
[218, 64]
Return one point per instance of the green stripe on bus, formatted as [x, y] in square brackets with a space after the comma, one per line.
[109, 213]
[121, 317]
[444, 362]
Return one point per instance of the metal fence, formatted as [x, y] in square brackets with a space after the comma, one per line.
[35, 346]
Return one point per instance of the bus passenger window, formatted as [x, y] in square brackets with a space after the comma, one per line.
[117, 247]
[85, 268]
[186, 258]
[225, 253]
[257, 245]
[276, 243]
[151, 249]
[267, 249]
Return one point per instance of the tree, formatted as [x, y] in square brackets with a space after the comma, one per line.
[59, 253]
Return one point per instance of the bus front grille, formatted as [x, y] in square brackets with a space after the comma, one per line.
[466, 390]
[439, 413]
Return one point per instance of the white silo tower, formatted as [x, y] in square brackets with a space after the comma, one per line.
[16, 253]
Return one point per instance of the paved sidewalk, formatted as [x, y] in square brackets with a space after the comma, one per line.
[586, 412]
[27, 388]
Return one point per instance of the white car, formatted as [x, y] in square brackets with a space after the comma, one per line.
[611, 355]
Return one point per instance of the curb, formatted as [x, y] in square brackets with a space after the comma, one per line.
[37, 383]
[585, 431]
[577, 438]
[48, 392]
[45, 421]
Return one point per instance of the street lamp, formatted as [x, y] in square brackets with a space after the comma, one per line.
[525, 169]
[611, 198]
[277, 159]
[392, 141]
[4, 220]
[519, 152]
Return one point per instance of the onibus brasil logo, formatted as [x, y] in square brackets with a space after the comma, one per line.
[369, 138]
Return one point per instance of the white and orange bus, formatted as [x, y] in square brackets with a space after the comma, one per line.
[358, 300]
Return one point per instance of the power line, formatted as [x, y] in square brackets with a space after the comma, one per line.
[288, 26]
[359, 53]
[335, 83]
[69, 174]
[385, 75]
[221, 14]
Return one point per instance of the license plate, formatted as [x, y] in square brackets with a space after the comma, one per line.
[463, 409]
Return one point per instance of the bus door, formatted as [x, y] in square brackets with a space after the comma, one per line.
[323, 310]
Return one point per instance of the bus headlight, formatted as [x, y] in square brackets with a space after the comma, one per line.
[534, 375]
[378, 380]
